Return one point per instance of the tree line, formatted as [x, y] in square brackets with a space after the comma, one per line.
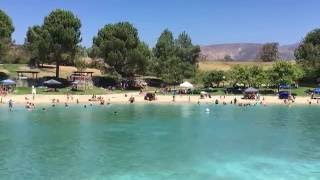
[281, 73]
[57, 41]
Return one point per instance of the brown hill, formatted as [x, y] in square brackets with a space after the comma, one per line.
[243, 51]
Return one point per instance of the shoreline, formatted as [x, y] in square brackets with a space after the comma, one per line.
[120, 98]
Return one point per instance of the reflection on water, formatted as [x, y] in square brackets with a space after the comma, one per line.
[160, 142]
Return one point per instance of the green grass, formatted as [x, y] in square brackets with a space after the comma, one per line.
[62, 91]
[301, 91]
[11, 68]
[99, 91]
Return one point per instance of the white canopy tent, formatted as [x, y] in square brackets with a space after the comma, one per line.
[186, 85]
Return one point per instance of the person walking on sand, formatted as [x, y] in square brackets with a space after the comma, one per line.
[33, 92]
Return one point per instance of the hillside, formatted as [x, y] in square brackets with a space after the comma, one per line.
[243, 51]
[225, 66]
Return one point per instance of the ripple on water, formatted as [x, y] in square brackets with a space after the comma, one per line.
[160, 142]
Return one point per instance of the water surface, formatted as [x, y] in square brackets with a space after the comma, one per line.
[160, 142]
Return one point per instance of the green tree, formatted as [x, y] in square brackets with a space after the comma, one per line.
[181, 51]
[63, 29]
[163, 50]
[308, 53]
[257, 76]
[38, 43]
[239, 74]
[173, 70]
[138, 59]
[215, 77]
[186, 51]
[253, 76]
[283, 72]
[269, 52]
[119, 45]
[6, 30]
[227, 58]
[80, 64]
[165, 45]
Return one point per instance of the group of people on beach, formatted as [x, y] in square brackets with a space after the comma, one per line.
[4, 91]
[30, 104]
[98, 99]
[69, 98]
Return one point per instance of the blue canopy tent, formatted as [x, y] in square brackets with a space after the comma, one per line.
[284, 91]
[315, 93]
[316, 90]
[284, 95]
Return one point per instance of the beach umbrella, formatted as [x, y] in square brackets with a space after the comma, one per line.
[251, 90]
[52, 82]
[8, 82]
[186, 85]
[203, 93]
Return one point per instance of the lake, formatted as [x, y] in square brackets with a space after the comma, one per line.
[160, 142]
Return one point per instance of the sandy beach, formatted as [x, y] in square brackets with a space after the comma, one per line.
[121, 98]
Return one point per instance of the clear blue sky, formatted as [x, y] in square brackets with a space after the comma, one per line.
[207, 21]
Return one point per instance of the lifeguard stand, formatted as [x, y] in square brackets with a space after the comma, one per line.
[82, 79]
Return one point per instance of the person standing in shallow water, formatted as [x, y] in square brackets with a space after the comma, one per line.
[10, 104]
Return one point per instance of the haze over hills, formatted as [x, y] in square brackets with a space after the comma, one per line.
[243, 51]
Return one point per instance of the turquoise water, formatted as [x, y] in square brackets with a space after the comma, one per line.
[160, 142]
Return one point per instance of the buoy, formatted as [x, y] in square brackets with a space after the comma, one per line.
[207, 110]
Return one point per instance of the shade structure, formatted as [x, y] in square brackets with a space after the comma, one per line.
[8, 82]
[251, 90]
[186, 85]
[316, 90]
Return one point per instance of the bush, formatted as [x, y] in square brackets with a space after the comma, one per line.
[105, 81]
[3, 76]
[154, 82]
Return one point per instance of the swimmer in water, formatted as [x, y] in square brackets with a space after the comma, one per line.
[85, 106]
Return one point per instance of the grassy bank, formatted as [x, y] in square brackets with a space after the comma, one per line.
[100, 91]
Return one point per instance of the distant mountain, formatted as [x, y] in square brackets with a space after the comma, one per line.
[243, 51]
